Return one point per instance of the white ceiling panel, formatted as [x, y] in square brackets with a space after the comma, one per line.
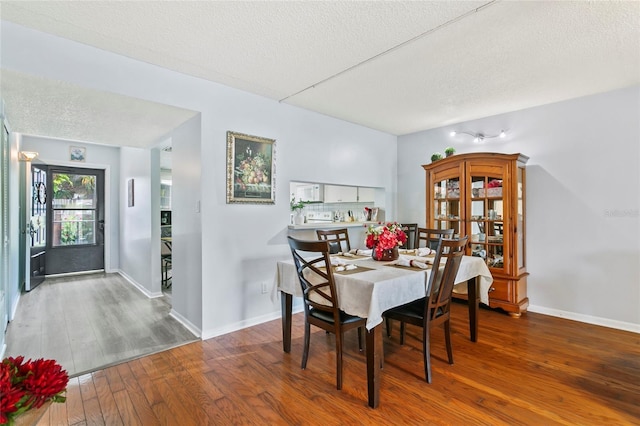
[497, 60]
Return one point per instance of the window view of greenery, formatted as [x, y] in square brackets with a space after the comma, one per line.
[74, 209]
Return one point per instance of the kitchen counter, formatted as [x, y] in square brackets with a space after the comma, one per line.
[331, 225]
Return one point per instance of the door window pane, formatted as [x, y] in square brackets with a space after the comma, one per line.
[74, 204]
[72, 227]
[71, 191]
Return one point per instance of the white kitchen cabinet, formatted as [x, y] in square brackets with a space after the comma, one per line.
[308, 192]
[340, 194]
[366, 195]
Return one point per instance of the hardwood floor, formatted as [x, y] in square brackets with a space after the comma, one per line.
[87, 322]
[535, 370]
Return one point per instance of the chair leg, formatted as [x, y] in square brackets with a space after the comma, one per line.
[360, 338]
[447, 338]
[339, 360]
[305, 351]
[388, 324]
[402, 332]
[426, 349]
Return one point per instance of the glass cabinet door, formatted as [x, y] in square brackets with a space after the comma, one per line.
[447, 207]
[520, 218]
[486, 219]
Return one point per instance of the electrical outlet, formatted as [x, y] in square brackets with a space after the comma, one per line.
[265, 287]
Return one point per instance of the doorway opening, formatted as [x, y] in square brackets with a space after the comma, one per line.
[165, 218]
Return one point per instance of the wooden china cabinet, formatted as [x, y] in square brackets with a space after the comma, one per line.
[483, 195]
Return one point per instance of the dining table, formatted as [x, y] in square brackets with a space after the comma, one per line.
[373, 287]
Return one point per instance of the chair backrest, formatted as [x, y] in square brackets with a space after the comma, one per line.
[411, 229]
[443, 275]
[338, 239]
[313, 267]
[431, 237]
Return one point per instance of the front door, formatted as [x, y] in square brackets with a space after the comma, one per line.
[75, 237]
[37, 226]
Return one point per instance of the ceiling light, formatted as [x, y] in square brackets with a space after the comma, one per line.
[479, 137]
[27, 155]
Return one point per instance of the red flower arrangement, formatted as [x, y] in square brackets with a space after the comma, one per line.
[30, 384]
[385, 236]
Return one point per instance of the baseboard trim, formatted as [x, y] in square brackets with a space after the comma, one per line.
[208, 334]
[140, 288]
[182, 320]
[604, 322]
[14, 306]
[73, 274]
[186, 323]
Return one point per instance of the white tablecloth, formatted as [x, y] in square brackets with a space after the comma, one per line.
[369, 293]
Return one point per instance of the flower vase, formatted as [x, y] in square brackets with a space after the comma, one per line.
[31, 417]
[387, 254]
[298, 218]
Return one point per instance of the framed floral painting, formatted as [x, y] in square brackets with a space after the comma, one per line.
[251, 169]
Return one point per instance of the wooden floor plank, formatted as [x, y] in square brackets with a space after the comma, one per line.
[108, 405]
[126, 409]
[75, 410]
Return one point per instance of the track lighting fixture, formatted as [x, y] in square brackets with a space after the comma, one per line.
[480, 137]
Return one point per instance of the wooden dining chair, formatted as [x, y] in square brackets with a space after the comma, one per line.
[338, 239]
[411, 229]
[434, 309]
[430, 237]
[321, 305]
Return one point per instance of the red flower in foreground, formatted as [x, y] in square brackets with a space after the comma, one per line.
[47, 380]
[10, 396]
[26, 385]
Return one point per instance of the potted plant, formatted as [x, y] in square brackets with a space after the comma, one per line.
[449, 151]
[296, 208]
[436, 156]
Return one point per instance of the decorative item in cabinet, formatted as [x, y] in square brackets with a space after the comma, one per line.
[453, 189]
[483, 195]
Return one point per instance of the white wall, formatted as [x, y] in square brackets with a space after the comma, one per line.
[583, 199]
[136, 250]
[56, 152]
[186, 230]
[238, 245]
[14, 228]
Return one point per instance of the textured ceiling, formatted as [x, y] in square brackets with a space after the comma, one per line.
[399, 67]
[63, 110]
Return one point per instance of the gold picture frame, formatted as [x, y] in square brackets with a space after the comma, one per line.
[251, 169]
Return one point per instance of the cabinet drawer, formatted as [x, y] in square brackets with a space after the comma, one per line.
[499, 291]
